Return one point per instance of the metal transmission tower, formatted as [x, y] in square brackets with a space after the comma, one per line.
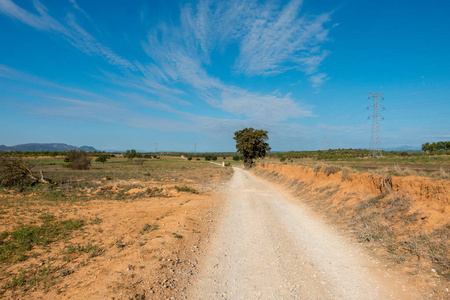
[375, 135]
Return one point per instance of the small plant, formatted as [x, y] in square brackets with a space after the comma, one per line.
[47, 217]
[177, 236]
[92, 250]
[65, 272]
[148, 227]
[96, 221]
[185, 188]
[154, 192]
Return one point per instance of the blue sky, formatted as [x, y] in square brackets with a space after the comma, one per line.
[128, 74]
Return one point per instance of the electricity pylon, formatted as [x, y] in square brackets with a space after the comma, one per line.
[375, 135]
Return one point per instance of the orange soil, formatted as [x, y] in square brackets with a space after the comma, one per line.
[133, 263]
[431, 197]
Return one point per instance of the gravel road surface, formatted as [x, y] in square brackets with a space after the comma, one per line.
[267, 247]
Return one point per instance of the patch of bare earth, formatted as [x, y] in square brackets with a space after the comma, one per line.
[136, 240]
[402, 220]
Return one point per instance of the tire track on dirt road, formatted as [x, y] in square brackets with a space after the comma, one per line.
[269, 248]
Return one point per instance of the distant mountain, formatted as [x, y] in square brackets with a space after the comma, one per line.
[403, 148]
[36, 147]
[87, 149]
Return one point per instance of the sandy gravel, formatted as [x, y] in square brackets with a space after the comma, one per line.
[269, 248]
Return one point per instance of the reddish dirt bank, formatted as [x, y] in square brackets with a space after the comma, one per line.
[404, 220]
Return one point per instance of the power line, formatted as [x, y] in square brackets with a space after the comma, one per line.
[375, 134]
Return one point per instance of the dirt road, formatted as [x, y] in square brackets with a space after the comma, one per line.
[269, 248]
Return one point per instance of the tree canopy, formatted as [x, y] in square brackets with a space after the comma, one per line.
[436, 146]
[130, 154]
[251, 143]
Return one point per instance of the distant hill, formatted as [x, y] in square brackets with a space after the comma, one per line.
[36, 147]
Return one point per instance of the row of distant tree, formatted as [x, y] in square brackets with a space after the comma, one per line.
[436, 147]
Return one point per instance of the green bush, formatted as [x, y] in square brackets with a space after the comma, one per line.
[78, 160]
[102, 158]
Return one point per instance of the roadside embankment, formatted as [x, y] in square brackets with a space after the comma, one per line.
[405, 220]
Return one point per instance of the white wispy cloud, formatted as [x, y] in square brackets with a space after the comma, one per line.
[71, 31]
[271, 39]
[180, 54]
[317, 79]
[279, 41]
[43, 21]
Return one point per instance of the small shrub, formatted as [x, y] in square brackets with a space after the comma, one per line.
[189, 158]
[102, 158]
[185, 188]
[154, 192]
[331, 170]
[345, 172]
[78, 160]
[13, 171]
[316, 169]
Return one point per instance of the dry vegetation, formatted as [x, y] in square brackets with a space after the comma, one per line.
[118, 230]
[402, 219]
[393, 163]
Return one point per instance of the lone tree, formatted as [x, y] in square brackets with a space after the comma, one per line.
[130, 154]
[103, 157]
[251, 143]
